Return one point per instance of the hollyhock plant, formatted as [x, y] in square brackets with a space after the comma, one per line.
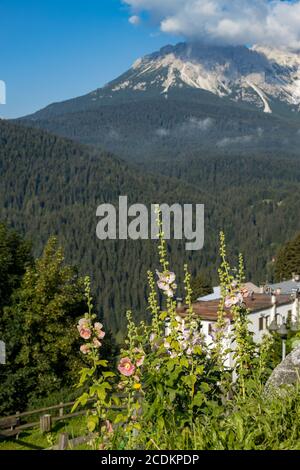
[96, 382]
[215, 329]
[126, 367]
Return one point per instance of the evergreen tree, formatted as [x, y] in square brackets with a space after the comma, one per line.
[201, 285]
[15, 255]
[288, 260]
[40, 330]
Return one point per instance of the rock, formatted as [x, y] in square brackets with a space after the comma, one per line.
[286, 373]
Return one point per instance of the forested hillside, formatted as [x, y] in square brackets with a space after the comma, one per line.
[172, 127]
[52, 186]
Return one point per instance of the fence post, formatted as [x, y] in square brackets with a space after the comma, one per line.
[63, 441]
[18, 420]
[45, 423]
[18, 417]
[61, 410]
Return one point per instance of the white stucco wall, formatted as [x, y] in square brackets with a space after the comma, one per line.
[258, 334]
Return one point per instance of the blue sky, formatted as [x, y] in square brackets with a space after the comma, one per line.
[53, 50]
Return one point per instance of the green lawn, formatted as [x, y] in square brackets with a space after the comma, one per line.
[34, 440]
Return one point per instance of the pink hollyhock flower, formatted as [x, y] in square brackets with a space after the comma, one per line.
[141, 356]
[169, 292]
[83, 323]
[245, 293]
[126, 367]
[163, 285]
[85, 333]
[84, 349]
[230, 301]
[98, 329]
[84, 328]
[98, 326]
[166, 282]
[101, 334]
[168, 277]
[96, 343]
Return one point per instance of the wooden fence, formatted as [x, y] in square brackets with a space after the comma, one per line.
[13, 425]
[45, 417]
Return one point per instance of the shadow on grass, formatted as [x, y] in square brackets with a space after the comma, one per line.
[20, 442]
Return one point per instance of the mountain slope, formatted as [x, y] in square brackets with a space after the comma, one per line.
[50, 185]
[257, 76]
[188, 97]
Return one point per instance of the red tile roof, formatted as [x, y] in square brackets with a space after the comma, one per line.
[208, 310]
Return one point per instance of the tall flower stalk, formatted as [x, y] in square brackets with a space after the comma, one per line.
[93, 378]
[234, 294]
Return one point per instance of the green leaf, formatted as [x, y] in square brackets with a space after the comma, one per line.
[102, 363]
[198, 399]
[190, 380]
[92, 422]
[205, 387]
[82, 400]
[184, 362]
[106, 375]
[116, 400]
[120, 418]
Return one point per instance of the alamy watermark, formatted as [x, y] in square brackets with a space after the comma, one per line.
[2, 92]
[136, 222]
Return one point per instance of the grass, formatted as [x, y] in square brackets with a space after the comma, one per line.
[35, 440]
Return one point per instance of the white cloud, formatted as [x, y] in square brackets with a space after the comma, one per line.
[162, 132]
[194, 125]
[274, 23]
[244, 139]
[135, 20]
[201, 124]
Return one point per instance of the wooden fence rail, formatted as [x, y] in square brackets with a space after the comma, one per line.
[11, 426]
[43, 410]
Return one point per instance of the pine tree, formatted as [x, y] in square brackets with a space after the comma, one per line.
[201, 285]
[288, 260]
[40, 329]
[15, 255]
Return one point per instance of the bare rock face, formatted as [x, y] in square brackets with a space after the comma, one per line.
[286, 374]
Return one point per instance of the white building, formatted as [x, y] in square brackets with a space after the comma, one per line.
[263, 310]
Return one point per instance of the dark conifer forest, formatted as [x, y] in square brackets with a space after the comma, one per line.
[52, 186]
